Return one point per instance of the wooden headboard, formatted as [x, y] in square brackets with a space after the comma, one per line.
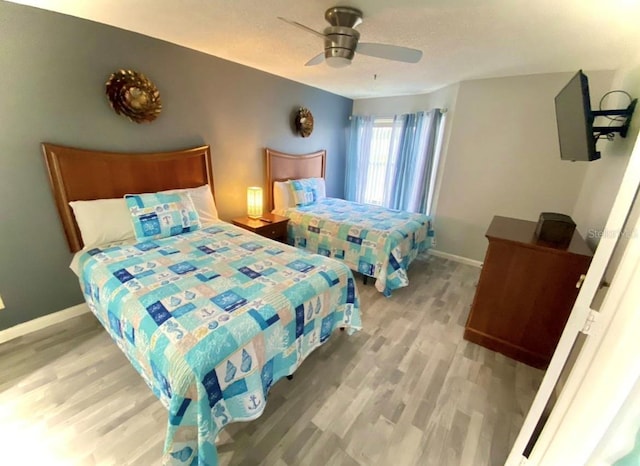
[283, 167]
[80, 175]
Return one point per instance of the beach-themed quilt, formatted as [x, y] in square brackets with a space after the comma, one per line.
[212, 318]
[373, 240]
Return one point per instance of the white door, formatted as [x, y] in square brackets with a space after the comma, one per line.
[598, 326]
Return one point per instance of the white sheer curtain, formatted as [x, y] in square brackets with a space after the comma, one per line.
[382, 159]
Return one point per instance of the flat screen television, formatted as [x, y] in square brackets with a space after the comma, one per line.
[575, 121]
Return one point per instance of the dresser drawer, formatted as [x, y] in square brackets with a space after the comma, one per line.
[270, 226]
[275, 231]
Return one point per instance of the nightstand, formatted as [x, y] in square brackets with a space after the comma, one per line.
[276, 230]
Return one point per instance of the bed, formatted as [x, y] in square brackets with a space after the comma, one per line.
[210, 318]
[373, 240]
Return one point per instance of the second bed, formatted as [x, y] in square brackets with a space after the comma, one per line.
[373, 240]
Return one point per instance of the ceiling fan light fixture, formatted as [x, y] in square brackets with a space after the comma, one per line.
[337, 62]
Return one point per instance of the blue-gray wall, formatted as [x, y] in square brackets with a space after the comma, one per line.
[52, 90]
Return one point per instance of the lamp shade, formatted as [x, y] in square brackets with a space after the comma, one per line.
[254, 202]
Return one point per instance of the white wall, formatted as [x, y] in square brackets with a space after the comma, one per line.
[603, 176]
[501, 153]
[384, 106]
[504, 158]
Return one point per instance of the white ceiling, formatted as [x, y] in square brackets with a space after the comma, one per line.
[461, 39]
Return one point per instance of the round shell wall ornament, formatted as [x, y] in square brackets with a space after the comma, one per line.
[304, 122]
[131, 94]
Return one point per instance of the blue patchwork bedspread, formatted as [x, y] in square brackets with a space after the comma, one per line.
[211, 319]
[372, 240]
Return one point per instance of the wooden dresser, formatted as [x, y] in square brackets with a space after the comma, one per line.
[525, 292]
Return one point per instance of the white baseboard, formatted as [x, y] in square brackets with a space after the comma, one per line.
[453, 257]
[42, 322]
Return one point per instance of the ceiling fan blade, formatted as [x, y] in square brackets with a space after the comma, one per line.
[390, 52]
[315, 60]
[302, 26]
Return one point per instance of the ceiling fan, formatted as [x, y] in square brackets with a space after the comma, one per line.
[341, 40]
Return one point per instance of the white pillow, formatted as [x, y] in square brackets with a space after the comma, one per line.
[281, 196]
[202, 200]
[103, 221]
[320, 187]
[106, 221]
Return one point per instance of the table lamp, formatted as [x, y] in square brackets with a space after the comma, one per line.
[254, 202]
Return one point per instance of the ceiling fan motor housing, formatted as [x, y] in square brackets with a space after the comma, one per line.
[341, 39]
[340, 42]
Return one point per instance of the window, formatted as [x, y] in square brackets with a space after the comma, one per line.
[392, 161]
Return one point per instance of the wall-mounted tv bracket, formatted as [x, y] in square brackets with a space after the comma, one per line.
[599, 131]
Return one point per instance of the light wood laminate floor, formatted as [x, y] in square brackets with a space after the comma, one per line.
[407, 390]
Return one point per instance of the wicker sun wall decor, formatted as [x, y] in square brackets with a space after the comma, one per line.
[131, 94]
[304, 122]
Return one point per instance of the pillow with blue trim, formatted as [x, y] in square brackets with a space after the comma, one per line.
[304, 192]
[161, 215]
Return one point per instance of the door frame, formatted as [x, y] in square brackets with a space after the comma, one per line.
[564, 411]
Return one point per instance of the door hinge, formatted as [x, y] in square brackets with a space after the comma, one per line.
[590, 322]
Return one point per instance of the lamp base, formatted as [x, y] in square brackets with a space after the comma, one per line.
[255, 217]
